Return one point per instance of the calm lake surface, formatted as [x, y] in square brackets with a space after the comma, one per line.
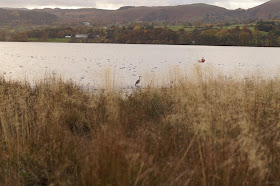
[94, 64]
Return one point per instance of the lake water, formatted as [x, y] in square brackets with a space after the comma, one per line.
[92, 64]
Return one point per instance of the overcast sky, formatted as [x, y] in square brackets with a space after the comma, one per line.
[114, 4]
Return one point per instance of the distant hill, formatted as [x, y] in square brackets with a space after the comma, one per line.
[270, 9]
[194, 12]
[16, 17]
[8, 8]
[191, 13]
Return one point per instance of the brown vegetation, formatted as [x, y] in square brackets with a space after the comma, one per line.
[199, 131]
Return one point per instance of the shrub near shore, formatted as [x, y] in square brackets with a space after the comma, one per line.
[214, 132]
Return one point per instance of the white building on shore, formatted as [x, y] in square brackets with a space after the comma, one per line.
[81, 36]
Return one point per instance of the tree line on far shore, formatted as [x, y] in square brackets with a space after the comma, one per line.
[264, 33]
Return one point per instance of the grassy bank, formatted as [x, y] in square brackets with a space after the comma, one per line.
[202, 132]
[54, 40]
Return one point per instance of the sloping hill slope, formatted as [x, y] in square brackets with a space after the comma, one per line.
[18, 17]
[270, 9]
[192, 12]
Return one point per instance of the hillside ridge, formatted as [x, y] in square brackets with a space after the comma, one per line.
[198, 12]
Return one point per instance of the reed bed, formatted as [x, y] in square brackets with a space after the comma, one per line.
[201, 130]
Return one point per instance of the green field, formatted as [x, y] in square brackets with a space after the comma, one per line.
[58, 40]
[178, 27]
[191, 28]
[63, 40]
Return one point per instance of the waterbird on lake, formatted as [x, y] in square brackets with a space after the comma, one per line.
[138, 81]
[202, 60]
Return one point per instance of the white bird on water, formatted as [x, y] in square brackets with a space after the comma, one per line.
[138, 81]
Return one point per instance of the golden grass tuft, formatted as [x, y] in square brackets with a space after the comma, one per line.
[201, 129]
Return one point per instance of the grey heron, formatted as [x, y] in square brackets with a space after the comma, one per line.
[138, 81]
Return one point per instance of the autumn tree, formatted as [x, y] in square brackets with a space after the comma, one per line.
[208, 37]
[45, 35]
[223, 37]
[23, 36]
[278, 41]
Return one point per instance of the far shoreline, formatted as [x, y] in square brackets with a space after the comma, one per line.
[137, 44]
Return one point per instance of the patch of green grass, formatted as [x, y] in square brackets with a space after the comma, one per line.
[175, 28]
[62, 40]
[55, 40]
[191, 28]
[33, 39]
[178, 27]
[264, 33]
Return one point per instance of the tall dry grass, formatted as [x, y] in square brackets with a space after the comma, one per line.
[199, 131]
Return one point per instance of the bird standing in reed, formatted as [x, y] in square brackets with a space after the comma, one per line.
[138, 81]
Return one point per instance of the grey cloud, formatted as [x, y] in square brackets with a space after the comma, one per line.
[234, 4]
